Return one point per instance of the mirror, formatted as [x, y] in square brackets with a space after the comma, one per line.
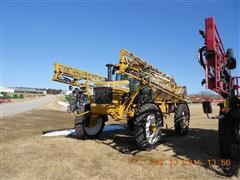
[207, 107]
[70, 88]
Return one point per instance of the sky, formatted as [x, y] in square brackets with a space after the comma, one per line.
[89, 34]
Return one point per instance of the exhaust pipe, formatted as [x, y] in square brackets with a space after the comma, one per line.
[109, 66]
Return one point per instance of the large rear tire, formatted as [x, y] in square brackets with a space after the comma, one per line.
[147, 125]
[130, 124]
[228, 146]
[181, 119]
[236, 135]
[224, 133]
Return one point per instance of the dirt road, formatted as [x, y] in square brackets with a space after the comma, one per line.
[25, 154]
[19, 107]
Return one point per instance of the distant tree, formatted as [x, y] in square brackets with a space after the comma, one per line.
[53, 91]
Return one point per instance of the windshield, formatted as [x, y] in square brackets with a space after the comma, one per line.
[133, 85]
[119, 77]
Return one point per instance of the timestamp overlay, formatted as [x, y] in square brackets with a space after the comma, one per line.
[191, 162]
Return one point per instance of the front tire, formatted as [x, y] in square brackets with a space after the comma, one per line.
[147, 125]
[78, 126]
[94, 127]
[88, 127]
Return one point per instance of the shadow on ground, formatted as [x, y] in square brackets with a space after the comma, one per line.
[199, 144]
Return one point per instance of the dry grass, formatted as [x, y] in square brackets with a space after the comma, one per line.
[28, 155]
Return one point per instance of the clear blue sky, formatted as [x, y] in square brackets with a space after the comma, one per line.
[89, 34]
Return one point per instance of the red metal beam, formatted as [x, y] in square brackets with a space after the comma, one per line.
[215, 58]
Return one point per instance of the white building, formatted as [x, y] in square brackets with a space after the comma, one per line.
[7, 90]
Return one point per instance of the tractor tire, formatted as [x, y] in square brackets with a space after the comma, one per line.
[79, 120]
[181, 119]
[90, 130]
[93, 131]
[236, 136]
[78, 126]
[236, 131]
[224, 133]
[130, 124]
[147, 125]
[229, 137]
[82, 123]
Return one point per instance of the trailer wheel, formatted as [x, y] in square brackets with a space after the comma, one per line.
[181, 119]
[147, 125]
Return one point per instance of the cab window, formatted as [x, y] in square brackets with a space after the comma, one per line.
[119, 77]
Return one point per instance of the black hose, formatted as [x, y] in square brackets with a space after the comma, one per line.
[200, 56]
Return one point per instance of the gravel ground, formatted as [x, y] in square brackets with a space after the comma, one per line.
[15, 108]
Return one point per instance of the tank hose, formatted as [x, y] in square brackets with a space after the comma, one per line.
[200, 56]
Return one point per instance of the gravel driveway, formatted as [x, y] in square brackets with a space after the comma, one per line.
[15, 108]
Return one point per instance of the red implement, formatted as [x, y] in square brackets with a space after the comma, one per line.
[218, 62]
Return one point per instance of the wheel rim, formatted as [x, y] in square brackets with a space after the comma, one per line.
[95, 127]
[151, 129]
